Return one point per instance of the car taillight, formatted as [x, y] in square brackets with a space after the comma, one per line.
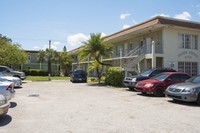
[9, 88]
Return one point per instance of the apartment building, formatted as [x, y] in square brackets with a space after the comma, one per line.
[158, 42]
[33, 63]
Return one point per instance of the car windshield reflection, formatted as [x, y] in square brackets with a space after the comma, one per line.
[160, 77]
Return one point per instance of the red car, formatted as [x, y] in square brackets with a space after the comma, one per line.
[159, 83]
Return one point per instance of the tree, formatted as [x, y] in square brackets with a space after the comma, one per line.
[50, 55]
[65, 60]
[98, 68]
[41, 57]
[11, 53]
[96, 48]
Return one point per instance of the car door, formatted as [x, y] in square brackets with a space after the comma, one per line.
[172, 79]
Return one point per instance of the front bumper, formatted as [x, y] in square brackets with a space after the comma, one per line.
[188, 97]
[17, 83]
[4, 109]
[144, 89]
[9, 95]
[129, 84]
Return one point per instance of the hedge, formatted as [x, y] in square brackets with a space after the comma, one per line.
[114, 76]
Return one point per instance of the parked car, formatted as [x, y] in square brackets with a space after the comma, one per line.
[4, 105]
[130, 82]
[7, 89]
[188, 91]
[17, 81]
[159, 83]
[78, 75]
[9, 72]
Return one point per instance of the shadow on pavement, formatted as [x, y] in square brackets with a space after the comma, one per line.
[150, 95]
[5, 120]
[19, 87]
[13, 104]
[191, 104]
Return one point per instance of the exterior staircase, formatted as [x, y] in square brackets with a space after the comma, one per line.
[134, 57]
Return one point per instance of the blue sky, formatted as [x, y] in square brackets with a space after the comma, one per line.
[32, 23]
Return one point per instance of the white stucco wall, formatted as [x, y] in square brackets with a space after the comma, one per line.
[172, 52]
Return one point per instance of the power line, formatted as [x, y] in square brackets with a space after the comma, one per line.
[39, 39]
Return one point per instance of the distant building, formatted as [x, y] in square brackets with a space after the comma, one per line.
[33, 63]
[158, 42]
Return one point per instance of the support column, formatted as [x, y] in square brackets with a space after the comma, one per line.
[153, 55]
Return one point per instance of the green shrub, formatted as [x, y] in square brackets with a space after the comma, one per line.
[114, 76]
[33, 72]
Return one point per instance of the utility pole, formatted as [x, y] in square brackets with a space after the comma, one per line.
[49, 44]
[49, 61]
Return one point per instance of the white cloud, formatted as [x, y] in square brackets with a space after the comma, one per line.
[54, 45]
[45, 46]
[126, 26]
[103, 34]
[135, 22]
[36, 47]
[162, 14]
[198, 13]
[77, 39]
[124, 16]
[185, 16]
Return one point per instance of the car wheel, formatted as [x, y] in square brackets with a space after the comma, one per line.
[158, 92]
[198, 99]
[131, 88]
[16, 76]
[144, 93]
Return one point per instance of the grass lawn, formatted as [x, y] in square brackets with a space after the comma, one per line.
[45, 78]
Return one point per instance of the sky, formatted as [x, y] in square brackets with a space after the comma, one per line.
[32, 23]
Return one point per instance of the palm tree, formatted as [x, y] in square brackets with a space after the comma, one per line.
[98, 68]
[50, 55]
[96, 48]
[65, 61]
[41, 57]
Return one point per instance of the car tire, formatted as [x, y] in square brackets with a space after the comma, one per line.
[159, 91]
[17, 76]
[131, 88]
[198, 100]
[144, 93]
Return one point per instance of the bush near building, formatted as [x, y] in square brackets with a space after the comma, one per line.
[114, 76]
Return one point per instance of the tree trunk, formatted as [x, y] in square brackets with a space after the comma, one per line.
[49, 66]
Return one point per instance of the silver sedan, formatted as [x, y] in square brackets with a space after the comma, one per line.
[17, 81]
[4, 105]
[188, 91]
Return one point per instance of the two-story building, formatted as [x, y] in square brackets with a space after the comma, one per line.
[34, 64]
[158, 42]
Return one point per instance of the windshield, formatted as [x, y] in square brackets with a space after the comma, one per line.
[160, 77]
[146, 73]
[9, 69]
[195, 79]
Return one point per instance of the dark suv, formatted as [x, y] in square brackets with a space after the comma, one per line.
[78, 75]
[9, 72]
[130, 82]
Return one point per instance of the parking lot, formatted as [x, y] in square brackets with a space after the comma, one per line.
[64, 107]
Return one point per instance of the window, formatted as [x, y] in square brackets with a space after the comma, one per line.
[184, 77]
[174, 77]
[194, 42]
[188, 41]
[188, 67]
